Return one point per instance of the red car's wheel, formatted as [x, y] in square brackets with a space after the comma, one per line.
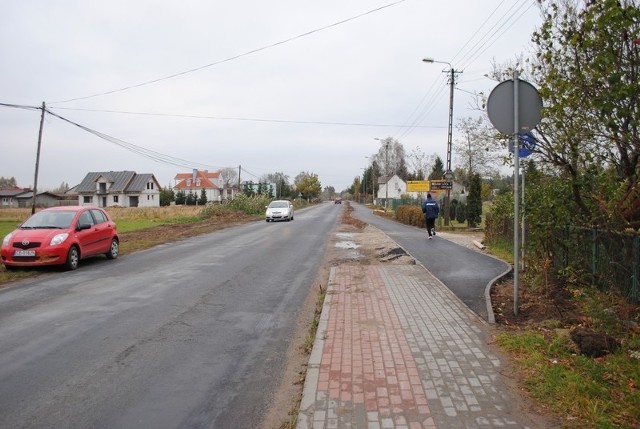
[73, 259]
[114, 249]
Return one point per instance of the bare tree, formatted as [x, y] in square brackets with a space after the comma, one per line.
[229, 176]
[477, 145]
[391, 158]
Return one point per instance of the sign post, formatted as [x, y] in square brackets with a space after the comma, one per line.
[515, 106]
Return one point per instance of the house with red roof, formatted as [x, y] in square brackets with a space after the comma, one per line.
[196, 181]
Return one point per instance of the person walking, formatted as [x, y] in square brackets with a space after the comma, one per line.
[431, 210]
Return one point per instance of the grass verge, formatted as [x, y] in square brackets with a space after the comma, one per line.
[307, 347]
[585, 392]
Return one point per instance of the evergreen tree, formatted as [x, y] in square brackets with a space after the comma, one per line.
[249, 190]
[166, 196]
[191, 199]
[203, 197]
[474, 201]
[437, 172]
[460, 212]
[181, 198]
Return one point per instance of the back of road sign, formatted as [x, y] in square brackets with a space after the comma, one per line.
[500, 106]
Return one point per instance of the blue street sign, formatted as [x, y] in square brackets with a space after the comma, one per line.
[528, 144]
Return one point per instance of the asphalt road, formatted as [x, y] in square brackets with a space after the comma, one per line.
[464, 271]
[186, 335]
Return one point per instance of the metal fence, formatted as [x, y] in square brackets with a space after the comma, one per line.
[603, 258]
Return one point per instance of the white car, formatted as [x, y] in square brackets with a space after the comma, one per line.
[279, 210]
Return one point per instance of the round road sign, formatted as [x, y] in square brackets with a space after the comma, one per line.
[501, 110]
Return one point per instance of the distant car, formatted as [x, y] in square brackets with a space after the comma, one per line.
[61, 236]
[337, 201]
[279, 210]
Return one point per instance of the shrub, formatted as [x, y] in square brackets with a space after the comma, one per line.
[410, 215]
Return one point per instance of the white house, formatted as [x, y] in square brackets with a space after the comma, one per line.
[392, 188]
[119, 188]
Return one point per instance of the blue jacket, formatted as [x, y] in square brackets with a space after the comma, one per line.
[430, 208]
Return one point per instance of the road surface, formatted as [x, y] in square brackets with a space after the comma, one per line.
[190, 334]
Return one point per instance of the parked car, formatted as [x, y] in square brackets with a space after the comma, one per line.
[338, 200]
[61, 236]
[279, 210]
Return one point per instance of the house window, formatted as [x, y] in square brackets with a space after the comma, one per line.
[150, 185]
[115, 199]
[87, 199]
[188, 182]
[197, 182]
[102, 188]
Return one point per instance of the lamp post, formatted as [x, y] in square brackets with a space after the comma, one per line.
[386, 172]
[364, 183]
[448, 174]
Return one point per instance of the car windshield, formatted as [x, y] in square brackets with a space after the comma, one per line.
[51, 219]
[279, 205]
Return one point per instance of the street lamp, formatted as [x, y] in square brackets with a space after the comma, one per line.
[448, 174]
[386, 171]
[373, 186]
[364, 184]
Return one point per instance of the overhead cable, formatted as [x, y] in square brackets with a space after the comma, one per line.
[147, 153]
[228, 118]
[235, 57]
[484, 43]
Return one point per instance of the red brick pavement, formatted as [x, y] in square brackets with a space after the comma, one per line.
[366, 359]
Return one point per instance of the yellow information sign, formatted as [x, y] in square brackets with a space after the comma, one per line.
[418, 186]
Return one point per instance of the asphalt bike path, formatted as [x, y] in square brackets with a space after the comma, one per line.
[466, 272]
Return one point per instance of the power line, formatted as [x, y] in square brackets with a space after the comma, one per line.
[474, 51]
[235, 57]
[489, 39]
[147, 153]
[20, 106]
[228, 118]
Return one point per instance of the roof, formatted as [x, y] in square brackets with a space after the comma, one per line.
[204, 176]
[121, 181]
[205, 173]
[12, 192]
[29, 194]
[139, 182]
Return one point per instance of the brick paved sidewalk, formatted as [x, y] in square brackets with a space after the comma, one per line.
[396, 349]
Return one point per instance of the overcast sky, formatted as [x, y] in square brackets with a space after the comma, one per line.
[268, 85]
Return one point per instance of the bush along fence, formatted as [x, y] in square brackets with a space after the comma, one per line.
[603, 258]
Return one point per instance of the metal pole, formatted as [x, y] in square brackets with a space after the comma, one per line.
[364, 185]
[35, 179]
[522, 263]
[516, 215]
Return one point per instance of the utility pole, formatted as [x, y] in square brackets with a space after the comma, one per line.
[35, 179]
[448, 174]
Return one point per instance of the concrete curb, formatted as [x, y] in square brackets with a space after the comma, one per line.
[307, 404]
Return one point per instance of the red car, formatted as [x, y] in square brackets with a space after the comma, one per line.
[61, 236]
